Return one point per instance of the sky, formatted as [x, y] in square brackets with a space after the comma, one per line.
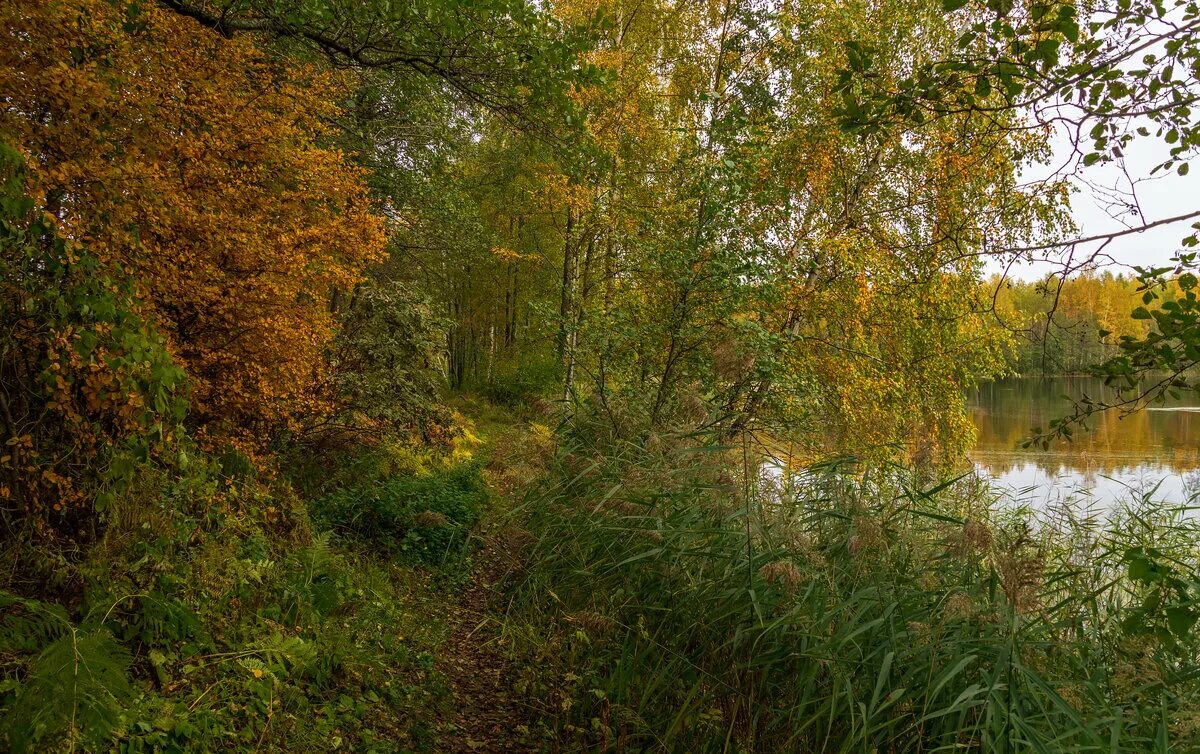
[1164, 195]
[1167, 194]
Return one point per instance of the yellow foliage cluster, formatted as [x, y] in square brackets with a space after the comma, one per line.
[194, 164]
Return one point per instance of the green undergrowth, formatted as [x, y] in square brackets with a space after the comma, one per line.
[426, 517]
[223, 611]
[657, 594]
[857, 611]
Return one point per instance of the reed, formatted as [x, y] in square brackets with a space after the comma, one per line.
[695, 609]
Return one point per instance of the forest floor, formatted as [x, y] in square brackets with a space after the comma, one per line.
[484, 714]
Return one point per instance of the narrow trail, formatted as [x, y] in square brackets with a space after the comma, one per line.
[486, 716]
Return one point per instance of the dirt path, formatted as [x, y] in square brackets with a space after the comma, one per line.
[485, 716]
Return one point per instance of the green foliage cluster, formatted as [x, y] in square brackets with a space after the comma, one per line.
[1114, 80]
[209, 619]
[507, 55]
[522, 384]
[1171, 344]
[849, 611]
[384, 362]
[427, 517]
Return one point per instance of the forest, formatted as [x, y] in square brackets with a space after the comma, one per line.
[579, 375]
[1066, 325]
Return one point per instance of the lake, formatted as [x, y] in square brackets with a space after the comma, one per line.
[1120, 455]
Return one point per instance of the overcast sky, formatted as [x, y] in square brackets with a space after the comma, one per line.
[1167, 194]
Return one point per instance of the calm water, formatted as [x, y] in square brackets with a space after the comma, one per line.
[1160, 445]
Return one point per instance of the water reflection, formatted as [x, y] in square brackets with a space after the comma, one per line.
[1119, 455]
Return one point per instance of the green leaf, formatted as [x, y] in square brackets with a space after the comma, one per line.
[1181, 620]
[1141, 567]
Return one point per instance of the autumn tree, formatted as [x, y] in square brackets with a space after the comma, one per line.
[89, 389]
[716, 251]
[762, 265]
[195, 165]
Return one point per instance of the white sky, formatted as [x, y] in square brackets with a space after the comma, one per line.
[1167, 194]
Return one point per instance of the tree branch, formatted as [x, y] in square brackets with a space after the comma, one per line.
[1104, 236]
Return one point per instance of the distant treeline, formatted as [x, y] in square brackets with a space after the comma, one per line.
[1066, 326]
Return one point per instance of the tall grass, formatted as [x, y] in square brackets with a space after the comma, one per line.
[697, 610]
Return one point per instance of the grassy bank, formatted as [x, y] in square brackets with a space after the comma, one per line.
[687, 608]
[538, 590]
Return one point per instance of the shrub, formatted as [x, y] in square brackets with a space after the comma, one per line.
[219, 630]
[383, 370]
[517, 385]
[235, 255]
[91, 391]
[424, 516]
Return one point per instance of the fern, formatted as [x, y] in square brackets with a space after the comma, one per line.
[164, 621]
[317, 558]
[74, 694]
[27, 625]
[281, 652]
[75, 686]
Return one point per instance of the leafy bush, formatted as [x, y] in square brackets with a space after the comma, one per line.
[90, 388]
[213, 633]
[518, 385]
[383, 364]
[424, 516]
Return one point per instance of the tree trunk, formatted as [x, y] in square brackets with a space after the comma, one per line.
[580, 308]
[568, 283]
